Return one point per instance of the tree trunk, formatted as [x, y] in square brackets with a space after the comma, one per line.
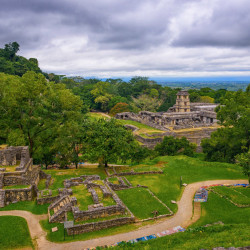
[106, 164]
[76, 164]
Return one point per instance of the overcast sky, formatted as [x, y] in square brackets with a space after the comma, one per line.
[106, 38]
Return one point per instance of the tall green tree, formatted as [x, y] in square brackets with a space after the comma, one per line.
[107, 141]
[36, 110]
[234, 137]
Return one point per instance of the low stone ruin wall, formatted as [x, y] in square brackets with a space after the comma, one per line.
[94, 226]
[117, 187]
[97, 212]
[44, 200]
[23, 194]
[24, 177]
[122, 185]
[138, 173]
[94, 195]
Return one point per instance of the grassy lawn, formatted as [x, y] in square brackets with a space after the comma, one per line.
[219, 209]
[234, 232]
[167, 186]
[30, 206]
[83, 197]
[108, 201]
[95, 116]
[239, 195]
[58, 176]
[41, 185]
[113, 180]
[14, 233]
[137, 198]
[58, 236]
[207, 238]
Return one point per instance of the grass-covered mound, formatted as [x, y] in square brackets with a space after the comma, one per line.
[14, 233]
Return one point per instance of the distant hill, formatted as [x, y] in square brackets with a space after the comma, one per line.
[11, 63]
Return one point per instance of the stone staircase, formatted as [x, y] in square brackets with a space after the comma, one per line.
[58, 209]
[2, 198]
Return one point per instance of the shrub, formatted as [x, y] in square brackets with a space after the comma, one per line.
[119, 108]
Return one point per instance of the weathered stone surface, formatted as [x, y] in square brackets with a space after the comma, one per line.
[97, 212]
[89, 227]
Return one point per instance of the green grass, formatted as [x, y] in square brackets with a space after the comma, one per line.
[167, 186]
[234, 232]
[138, 198]
[96, 116]
[114, 180]
[83, 197]
[109, 201]
[207, 238]
[139, 125]
[239, 195]
[41, 185]
[30, 206]
[58, 236]
[220, 209]
[14, 233]
[58, 176]
[16, 187]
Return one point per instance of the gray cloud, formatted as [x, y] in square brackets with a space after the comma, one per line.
[125, 37]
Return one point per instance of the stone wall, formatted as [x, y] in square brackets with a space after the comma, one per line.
[23, 194]
[137, 173]
[94, 226]
[27, 176]
[164, 120]
[46, 200]
[10, 155]
[97, 212]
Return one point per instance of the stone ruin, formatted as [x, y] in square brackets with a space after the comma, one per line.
[24, 174]
[182, 115]
[57, 211]
[11, 155]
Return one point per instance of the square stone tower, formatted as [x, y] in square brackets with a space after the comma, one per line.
[182, 102]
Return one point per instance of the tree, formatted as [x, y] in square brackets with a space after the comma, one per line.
[146, 103]
[244, 161]
[234, 137]
[37, 110]
[206, 99]
[101, 94]
[10, 50]
[174, 146]
[119, 108]
[108, 141]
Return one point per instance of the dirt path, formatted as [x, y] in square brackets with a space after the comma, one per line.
[182, 218]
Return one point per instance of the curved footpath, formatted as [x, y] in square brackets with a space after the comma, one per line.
[182, 218]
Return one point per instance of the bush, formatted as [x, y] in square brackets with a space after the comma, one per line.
[119, 108]
[174, 146]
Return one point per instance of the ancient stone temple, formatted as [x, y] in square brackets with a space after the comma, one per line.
[182, 102]
[182, 115]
